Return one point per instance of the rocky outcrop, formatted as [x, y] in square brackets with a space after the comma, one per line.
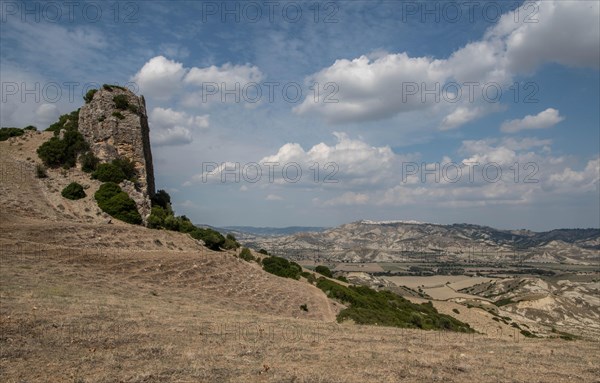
[115, 124]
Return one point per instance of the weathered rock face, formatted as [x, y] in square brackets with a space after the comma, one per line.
[115, 124]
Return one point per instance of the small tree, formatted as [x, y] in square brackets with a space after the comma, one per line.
[73, 191]
[89, 162]
[324, 270]
[246, 255]
[109, 173]
[161, 198]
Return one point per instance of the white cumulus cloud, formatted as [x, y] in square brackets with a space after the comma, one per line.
[542, 120]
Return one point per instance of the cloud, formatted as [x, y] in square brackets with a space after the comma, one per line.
[348, 199]
[371, 88]
[547, 35]
[572, 181]
[461, 116]
[226, 73]
[379, 87]
[273, 197]
[160, 77]
[542, 120]
[172, 136]
[46, 114]
[171, 127]
[351, 159]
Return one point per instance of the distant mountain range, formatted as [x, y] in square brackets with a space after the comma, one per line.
[243, 231]
[392, 241]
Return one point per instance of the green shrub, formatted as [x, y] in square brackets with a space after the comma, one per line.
[282, 267]
[30, 127]
[368, 306]
[127, 167]
[324, 270]
[171, 223]
[116, 203]
[185, 225]
[133, 108]
[73, 191]
[106, 191]
[109, 172]
[118, 115]
[66, 121]
[6, 133]
[56, 152]
[110, 87]
[212, 239]
[231, 243]
[263, 251]
[246, 255]
[89, 96]
[121, 101]
[157, 217]
[40, 171]
[161, 198]
[455, 311]
[342, 278]
[89, 162]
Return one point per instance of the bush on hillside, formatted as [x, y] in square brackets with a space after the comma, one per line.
[73, 191]
[63, 152]
[161, 198]
[116, 203]
[108, 172]
[368, 306]
[6, 133]
[230, 242]
[324, 270]
[89, 162]
[282, 267]
[212, 238]
[66, 121]
[246, 255]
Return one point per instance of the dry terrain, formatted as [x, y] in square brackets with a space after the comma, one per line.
[84, 300]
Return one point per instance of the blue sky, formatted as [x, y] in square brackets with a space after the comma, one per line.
[401, 127]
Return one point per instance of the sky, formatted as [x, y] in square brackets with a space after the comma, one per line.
[319, 113]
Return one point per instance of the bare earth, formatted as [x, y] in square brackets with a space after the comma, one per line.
[87, 301]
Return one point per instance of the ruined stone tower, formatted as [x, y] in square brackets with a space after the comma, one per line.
[115, 124]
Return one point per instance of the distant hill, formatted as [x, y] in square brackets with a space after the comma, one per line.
[272, 231]
[390, 241]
